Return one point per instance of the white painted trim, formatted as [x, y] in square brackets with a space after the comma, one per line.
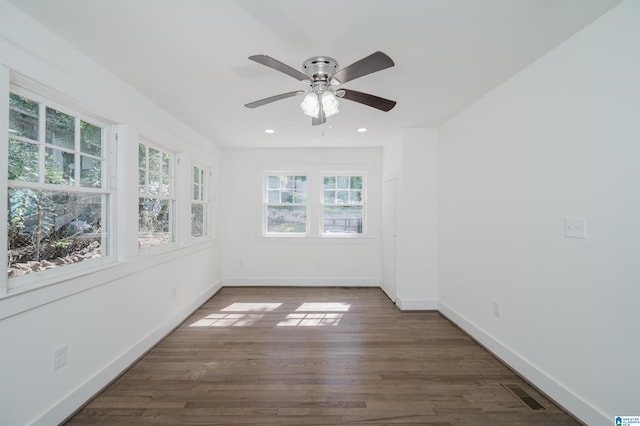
[72, 401]
[301, 281]
[405, 304]
[568, 399]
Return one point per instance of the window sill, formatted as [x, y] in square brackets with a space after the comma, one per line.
[35, 293]
[316, 239]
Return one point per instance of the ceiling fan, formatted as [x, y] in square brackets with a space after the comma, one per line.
[323, 77]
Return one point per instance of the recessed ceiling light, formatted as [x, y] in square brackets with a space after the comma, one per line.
[269, 131]
[362, 130]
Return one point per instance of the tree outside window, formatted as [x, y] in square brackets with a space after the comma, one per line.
[343, 205]
[156, 202]
[57, 197]
[286, 204]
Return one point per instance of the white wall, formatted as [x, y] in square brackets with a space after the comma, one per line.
[412, 162]
[106, 318]
[560, 139]
[251, 259]
[417, 221]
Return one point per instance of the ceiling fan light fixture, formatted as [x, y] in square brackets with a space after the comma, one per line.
[329, 104]
[310, 104]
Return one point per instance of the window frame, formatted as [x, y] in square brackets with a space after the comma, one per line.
[363, 204]
[171, 197]
[107, 191]
[206, 174]
[266, 204]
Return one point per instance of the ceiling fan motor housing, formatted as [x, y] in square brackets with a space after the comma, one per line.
[320, 68]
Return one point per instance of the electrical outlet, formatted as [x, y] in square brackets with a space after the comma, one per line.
[575, 227]
[497, 309]
[59, 356]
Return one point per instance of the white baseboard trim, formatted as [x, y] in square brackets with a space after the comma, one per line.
[75, 399]
[298, 281]
[405, 304]
[563, 396]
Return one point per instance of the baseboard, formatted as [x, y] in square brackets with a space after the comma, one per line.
[405, 304]
[560, 394]
[298, 281]
[70, 403]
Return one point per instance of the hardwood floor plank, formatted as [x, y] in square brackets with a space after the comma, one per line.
[315, 356]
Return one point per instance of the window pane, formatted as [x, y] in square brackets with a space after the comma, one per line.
[166, 186]
[23, 117]
[90, 172]
[286, 182]
[90, 139]
[286, 219]
[154, 183]
[198, 226]
[154, 222]
[142, 181]
[59, 167]
[196, 175]
[49, 229]
[23, 161]
[329, 182]
[356, 182]
[343, 220]
[342, 197]
[343, 182]
[196, 193]
[165, 164]
[142, 156]
[60, 129]
[273, 196]
[273, 182]
[154, 160]
[356, 197]
[286, 197]
[330, 197]
[300, 183]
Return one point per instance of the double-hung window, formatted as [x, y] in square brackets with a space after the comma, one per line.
[156, 208]
[58, 186]
[200, 204]
[286, 204]
[343, 204]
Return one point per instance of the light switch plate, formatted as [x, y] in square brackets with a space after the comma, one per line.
[575, 227]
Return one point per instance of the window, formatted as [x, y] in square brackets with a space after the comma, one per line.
[157, 203]
[286, 204]
[343, 205]
[200, 202]
[58, 192]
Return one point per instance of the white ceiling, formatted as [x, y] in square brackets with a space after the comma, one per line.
[190, 56]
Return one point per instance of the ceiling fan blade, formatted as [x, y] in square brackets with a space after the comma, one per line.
[273, 99]
[279, 66]
[375, 62]
[369, 100]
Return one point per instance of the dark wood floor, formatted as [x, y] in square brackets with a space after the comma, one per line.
[315, 356]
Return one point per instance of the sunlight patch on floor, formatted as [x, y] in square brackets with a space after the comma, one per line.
[311, 320]
[228, 320]
[251, 307]
[247, 314]
[323, 307]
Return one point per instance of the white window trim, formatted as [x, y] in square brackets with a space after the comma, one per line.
[365, 224]
[315, 206]
[174, 228]
[207, 201]
[265, 205]
[35, 280]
